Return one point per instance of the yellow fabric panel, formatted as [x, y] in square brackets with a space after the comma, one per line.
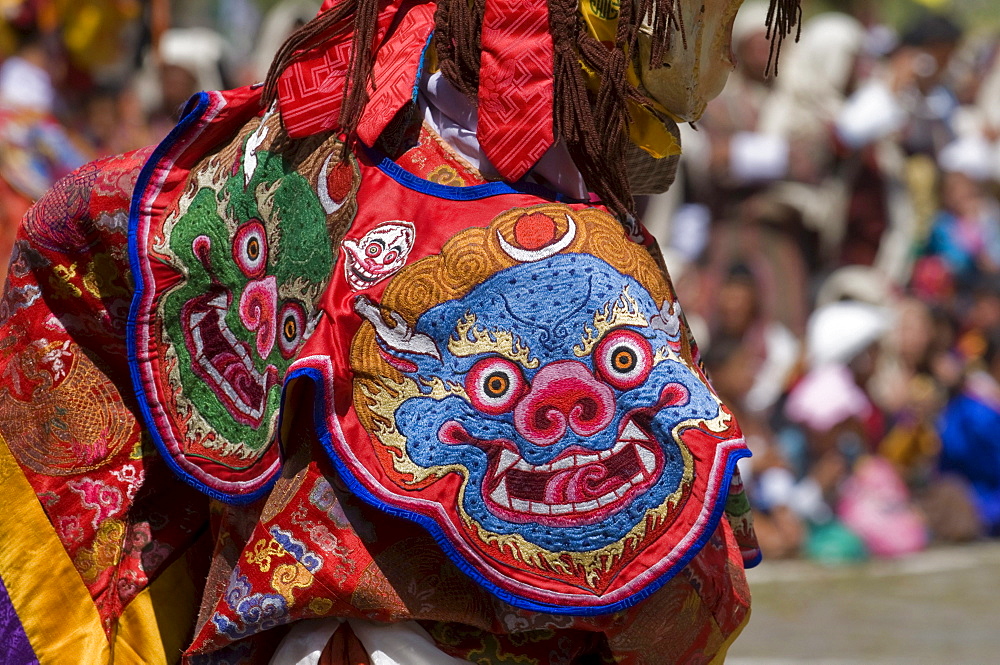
[720, 657]
[646, 130]
[55, 608]
[649, 133]
[156, 625]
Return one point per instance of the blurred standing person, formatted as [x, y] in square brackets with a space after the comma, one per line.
[184, 61]
[817, 75]
[35, 151]
[898, 121]
[730, 167]
[729, 159]
[281, 20]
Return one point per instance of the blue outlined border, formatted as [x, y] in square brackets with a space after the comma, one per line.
[194, 111]
[471, 193]
[320, 414]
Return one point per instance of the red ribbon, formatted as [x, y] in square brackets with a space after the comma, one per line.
[515, 85]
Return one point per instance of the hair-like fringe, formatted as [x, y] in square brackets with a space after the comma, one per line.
[594, 126]
[783, 16]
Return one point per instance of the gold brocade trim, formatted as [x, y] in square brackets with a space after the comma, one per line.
[55, 607]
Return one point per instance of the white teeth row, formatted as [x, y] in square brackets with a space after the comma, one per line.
[502, 498]
[358, 282]
[630, 434]
[203, 361]
[218, 302]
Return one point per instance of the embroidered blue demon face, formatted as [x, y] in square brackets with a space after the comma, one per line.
[554, 388]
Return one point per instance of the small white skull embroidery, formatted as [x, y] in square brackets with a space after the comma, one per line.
[378, 255]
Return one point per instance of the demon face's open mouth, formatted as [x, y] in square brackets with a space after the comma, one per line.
[578, 487]
[360, 278]
[223, 361]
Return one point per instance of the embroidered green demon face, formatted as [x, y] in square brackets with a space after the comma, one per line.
[253, 255]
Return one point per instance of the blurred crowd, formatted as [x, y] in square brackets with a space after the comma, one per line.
[83, 80]
[834, 235]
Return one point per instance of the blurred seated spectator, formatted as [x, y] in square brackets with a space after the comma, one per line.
[769, 239]
[828, 419]
[831, 401]
[875, 504]
[966, 231]
[770, 483]
[769, 351]
[968, 427]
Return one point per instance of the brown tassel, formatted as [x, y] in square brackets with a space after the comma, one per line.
[783, 16]
[665, 19]
[362, 61]
[332, 24]
[458, 25]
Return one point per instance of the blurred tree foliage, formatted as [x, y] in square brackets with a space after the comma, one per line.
[980, 14]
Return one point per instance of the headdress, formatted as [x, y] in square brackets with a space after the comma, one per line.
[539, 70]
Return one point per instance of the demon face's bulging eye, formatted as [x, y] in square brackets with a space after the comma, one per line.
[494, 385]
[624, 359]
[250, 249]
[373, 249]
[497, 384]
[293, 322]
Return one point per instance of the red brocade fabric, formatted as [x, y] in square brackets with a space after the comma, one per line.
[311, 90]
[67, 407]
[388, 569]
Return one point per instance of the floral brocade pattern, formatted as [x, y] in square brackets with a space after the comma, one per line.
[66, 406]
